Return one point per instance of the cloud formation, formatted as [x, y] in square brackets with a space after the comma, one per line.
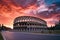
[10, 9]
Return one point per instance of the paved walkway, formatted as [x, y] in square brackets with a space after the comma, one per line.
[29, 36]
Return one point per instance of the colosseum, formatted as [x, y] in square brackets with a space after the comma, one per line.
[29, 23]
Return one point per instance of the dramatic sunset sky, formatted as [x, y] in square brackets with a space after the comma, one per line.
[48, 10]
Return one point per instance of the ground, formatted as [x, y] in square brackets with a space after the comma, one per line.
[1, 38]
[8, 35]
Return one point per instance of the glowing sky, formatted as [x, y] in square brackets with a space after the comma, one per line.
[44, 9]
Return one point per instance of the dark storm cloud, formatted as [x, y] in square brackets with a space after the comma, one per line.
[57, 16]
[45, 14]
[23, 3]
[4, 4]
[57, 4]
[17, 3]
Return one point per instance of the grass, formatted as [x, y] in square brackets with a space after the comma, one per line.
[51, 32]
[1, 38]
[47, 32]
[56, 31]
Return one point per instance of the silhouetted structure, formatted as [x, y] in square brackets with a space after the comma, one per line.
[2, 27]
[29, 23]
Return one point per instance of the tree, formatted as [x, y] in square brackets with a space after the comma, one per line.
[57, 27]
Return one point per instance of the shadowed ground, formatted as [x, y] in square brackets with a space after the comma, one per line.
[1, 38]
[29, 36]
